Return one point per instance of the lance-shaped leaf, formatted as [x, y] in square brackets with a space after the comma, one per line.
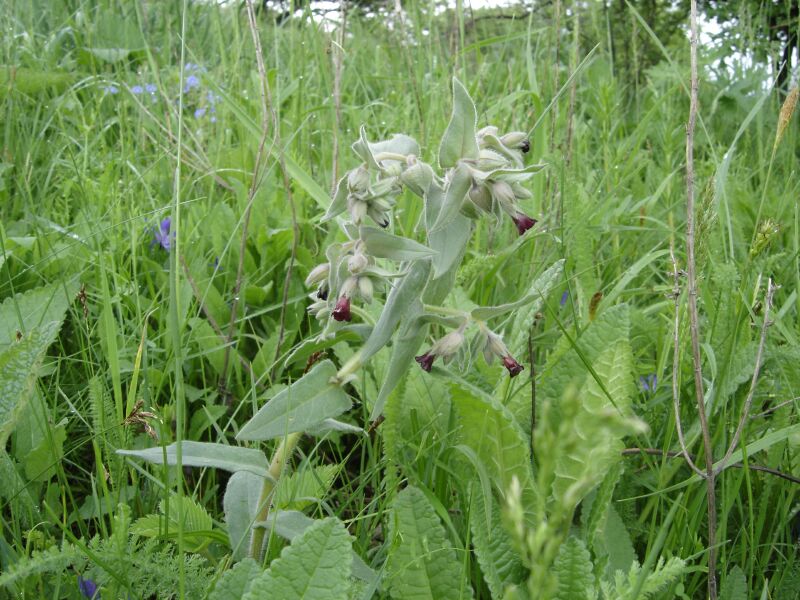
[382, 244]
[307, 402]
[459, 139]
[538, 290]
[457, 188]
[206, 454]
[339, 203]
[450, 243]
[398, 303]
[240, 504]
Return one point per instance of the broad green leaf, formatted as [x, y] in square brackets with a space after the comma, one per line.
[235, 582]
[19, 364]
[598, 425]
[35, 307]
[450, 243]
[205, 454]
[40, 463]
[422, 563]
[382, 244]
[618, 544]
[401, 299]
[289, 524]
[302, 488]
[538, 291]
[240, 504]
[308, 401]
[459, 139]
[315, 566]
[33, 81]
[455, 192]
[573, 569]
[500, 563]
[734, 587]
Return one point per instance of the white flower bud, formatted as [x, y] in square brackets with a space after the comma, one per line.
[358, 209]
[418, 177]
[318, 273]
[357, 263]
[348, 287]
[504, 194]
[488, 130]
[392, 168]
[494, 347]
[514, 139]
[449, 344]
[365, 288]
[358, 180]
[489, 160]
[379, 216]
[480, 197]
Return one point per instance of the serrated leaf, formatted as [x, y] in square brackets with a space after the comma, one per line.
[235, 582]
[619, 547]
[422, 563]
[52, 560]
[240, 504]
[289, 524]
[459, 139]
[536, 293]
[302, 488]
[205, 454]
[312, 567]
[500, 564]
[308, 401]
[382, 244]
[735, 585]
[19, 364]
[573, 570]
[194, 518]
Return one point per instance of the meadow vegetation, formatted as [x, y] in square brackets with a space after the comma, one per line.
[176, 423]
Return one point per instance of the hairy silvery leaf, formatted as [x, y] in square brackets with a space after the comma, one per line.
[418, 177]
[381, 244]
[538, 290]
[457, 188]
[308, 401]
[241, 505]
[459, 139]
[339, 203]
[375, 153]
[508, 175]
[400, 300]
[206, 454]
[450, 243]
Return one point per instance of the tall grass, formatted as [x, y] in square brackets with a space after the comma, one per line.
[87, 174]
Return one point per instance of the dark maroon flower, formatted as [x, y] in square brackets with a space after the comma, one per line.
[525, 146]
[523, 222]
[425, 361]
[342, 310]
[322, 292]
[514, 368]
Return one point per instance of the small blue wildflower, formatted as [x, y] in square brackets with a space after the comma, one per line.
[150, 88]
[88, 588]
[161, 236]
[213, 119]
[111, 89]
[648, 383]
[564, 298]
[199, 112]
[192, 81]
[137, 89]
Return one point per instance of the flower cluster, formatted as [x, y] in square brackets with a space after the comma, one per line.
[491, 344]
[497, 175]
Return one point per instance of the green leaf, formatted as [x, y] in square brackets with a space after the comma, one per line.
[459, 139]
[573, 569]
[195, 521]
[302, 488]
[382, 244]
[312, 567]
[339, 203]
[205, 454]
[401, 298]
[40, 463]
[19, 364]
[422, 563]
[735, 585]
[308, 401]
[52, 560]
[450, 244]
[455, 192]
[538, 291]
[370, 152]
[289, 524]
[240, 504]
[236, 581]
[500, 564]
[35, 307]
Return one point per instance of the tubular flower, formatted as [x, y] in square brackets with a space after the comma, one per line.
[514, 368]
[523, 222]
[425, 361]
[342, 310]
[495, 347]
[446, 347]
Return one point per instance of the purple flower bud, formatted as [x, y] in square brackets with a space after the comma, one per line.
[425, 361]
[564, 298]
[162, 236]
[88, 588]
[514, 368]
[523, 222]
[342, 310]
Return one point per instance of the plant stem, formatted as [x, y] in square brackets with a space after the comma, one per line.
[279, 459]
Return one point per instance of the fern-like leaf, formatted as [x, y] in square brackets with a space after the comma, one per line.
[573, 569]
